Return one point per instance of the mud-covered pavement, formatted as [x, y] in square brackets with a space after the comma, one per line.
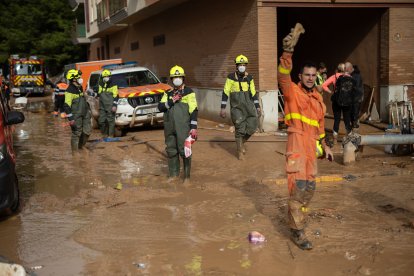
[73, 221]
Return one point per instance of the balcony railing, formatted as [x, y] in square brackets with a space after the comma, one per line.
[107, 9]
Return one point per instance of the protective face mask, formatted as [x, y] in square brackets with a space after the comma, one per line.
[80, 81]
[105, 79]
[241, 68]
[177, 82]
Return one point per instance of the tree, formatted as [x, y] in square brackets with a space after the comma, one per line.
[42, 28]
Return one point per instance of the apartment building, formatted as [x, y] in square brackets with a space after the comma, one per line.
[204, 36]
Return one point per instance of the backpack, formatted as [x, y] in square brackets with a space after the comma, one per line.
[344, 91]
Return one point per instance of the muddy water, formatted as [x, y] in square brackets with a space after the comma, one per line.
[74, 222]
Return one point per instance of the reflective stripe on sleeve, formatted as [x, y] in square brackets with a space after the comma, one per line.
[284, 70]
[304, 119]
[167, 105]
[193, 122]
[69, 115]
[256, 101]
[223, 102]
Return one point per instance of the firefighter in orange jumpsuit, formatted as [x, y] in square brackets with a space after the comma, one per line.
[304, 116]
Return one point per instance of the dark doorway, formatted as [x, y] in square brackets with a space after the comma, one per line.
[335, 35]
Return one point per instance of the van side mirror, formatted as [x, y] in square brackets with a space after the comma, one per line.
[164, 79]
[14, 117]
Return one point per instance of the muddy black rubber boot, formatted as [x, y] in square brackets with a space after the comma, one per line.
[239, 146]
[299, 238]
[84, 138]
[173, 166]
[187, 170]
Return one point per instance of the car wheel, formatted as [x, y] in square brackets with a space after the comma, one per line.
[16, 202]
[119, 132]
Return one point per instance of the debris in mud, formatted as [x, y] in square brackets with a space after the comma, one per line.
[317, 232]
[118, 186]
[364, 270]
[409, 224]
[350, 177]
[139, 265]
[389, 208]
[350, 256]
[245, 263]
[195, 266]
[37, 267]
[233, 245]
[327, 213]
[256, 237]
[116, 204]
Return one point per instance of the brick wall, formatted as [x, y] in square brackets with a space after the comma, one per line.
[401, 46]
[267, 43]
[203, 36]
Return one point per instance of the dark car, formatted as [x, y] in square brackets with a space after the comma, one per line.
[9, 189]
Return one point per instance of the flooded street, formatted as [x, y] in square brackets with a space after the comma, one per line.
[74, 222]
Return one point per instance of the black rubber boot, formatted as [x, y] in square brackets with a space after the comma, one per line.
[299, 238]
[239, 146]
[173, 166]
[83, 139]
[187, 170]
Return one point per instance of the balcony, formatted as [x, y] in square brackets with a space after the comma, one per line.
[79, 34]
[74, 3]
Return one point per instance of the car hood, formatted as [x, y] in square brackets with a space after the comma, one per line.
[143, 90]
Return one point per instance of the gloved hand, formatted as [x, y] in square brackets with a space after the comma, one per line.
[113, 109]
[187, 146]
[72, 125]
[223, 113]
[193, 134]
[176, 97]
[290, 41]
[329, 154]
[259, 112]
[91, 93]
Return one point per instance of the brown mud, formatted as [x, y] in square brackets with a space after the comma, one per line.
[74, 222]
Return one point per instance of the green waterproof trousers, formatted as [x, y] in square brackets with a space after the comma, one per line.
[82, 128]
[243, 114]
[176, 130]
[106, 116]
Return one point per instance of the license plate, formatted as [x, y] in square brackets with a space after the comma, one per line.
[147, 110]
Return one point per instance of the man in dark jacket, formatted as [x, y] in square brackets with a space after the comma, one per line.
[353, 70]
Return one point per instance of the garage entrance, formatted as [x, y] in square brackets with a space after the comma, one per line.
[335, 35]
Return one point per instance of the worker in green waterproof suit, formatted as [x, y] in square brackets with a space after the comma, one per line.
[108, 100]
[77, 110]
[180, 120]
[244, 104]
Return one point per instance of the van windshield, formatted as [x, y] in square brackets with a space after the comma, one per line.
[131, 79]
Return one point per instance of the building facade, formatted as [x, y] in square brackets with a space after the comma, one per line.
[205, 36]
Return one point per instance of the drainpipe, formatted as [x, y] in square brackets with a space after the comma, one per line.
[353, 141]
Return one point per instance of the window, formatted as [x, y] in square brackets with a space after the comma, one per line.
[159, 40]
[102, 11]
[116, 5]
[117, 50]
[103, 52]
[134, 46]
[28, 69]
[132, 79]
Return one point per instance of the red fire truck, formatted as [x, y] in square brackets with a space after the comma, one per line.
[27, 75]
